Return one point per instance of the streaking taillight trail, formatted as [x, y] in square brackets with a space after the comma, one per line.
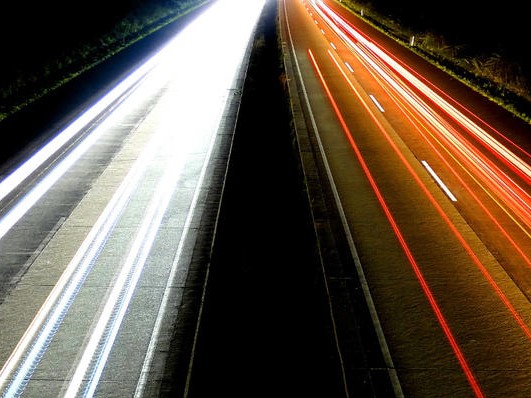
[394, 119]
[396, 229]
[514, 194]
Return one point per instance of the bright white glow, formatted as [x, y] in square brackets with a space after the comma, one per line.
[9, 183]
[139, 392]
[71, 279]
[165, 57]
[439, 181]
[196, 71]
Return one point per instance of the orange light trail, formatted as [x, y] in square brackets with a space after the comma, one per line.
[405, 110]
[347, 31]
[463, 109]
[454, 172]
[439, 209]
[494, 178]
[470, 114]
[463, 163]
[425, 287]
[498, 181]
[516, 198]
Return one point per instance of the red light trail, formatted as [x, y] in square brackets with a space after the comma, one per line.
[467, 255]
[434, 202]
[385, 68]
[433, 303]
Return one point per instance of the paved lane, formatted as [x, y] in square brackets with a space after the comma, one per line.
[92, 309]
[454, 321]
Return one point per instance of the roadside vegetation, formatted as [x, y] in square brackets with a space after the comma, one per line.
[481, 62]
[47, 44]
[45, 49]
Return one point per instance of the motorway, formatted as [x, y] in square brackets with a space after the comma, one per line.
[429, 182]
[432, 185]
[97, 225]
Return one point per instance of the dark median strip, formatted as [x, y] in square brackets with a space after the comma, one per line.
[265, 328]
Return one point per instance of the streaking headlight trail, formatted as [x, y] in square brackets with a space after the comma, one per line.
[194, 75]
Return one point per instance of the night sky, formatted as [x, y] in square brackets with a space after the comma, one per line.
[30, 30]
[499, 27]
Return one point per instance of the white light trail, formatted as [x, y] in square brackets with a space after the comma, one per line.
[8, 184]
[162, 309]
[122, 291]
[214, 46]
[496, 179]
[20, 208]
[51, 312]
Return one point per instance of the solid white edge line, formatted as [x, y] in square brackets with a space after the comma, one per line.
[397, 388]
[148, 359]
[439, 181]
[139, 391]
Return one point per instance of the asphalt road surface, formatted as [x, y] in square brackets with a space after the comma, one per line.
[367, 237]
[98, 224]
[432, 182]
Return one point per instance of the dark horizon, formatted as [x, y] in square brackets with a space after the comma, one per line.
[489, 28]
[32, 33]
